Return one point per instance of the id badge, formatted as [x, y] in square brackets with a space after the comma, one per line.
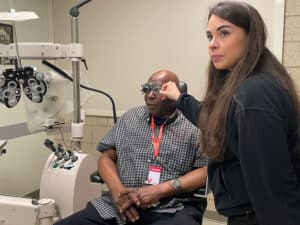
[154, 175]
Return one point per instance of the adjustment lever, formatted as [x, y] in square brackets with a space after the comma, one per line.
[2, 144]
[49, 144]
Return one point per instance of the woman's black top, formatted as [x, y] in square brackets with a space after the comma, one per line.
[261, 166]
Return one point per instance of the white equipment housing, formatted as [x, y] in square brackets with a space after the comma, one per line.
[62, 193]
[25, 211]
[71, 189]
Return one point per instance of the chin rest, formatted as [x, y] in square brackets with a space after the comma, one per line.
[199, 193]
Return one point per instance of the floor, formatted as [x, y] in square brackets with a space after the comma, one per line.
[213, 218]
[207, 221]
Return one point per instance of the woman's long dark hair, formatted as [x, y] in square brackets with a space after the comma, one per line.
[222, 85]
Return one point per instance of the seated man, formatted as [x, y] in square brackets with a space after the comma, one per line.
[151, 166]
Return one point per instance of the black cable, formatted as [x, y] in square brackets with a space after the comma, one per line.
[66, 76]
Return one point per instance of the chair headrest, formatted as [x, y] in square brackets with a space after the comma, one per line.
[182, 87]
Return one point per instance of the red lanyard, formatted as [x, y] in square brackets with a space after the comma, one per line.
[156, 140]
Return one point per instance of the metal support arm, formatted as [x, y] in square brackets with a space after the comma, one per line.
[42, 50]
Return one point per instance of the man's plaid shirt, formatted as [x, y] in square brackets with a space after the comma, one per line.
[131, 137]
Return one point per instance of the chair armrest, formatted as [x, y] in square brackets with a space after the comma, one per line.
[202, 192]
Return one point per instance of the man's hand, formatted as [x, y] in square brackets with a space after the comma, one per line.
[126, 206]
[145, 197]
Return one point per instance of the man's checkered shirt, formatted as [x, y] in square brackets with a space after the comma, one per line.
[131, 136]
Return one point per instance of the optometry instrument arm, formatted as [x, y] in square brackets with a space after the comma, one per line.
[42, 50]
[33, 82]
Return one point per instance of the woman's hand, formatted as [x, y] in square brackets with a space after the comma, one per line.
[170, 90]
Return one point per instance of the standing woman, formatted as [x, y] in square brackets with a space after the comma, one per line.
[249, 119]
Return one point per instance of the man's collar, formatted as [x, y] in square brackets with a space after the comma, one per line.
[159, 121]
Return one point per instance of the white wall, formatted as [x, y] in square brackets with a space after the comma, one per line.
[21, 167]
[126, 41]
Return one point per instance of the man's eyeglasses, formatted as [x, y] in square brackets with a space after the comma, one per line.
[148, 87]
